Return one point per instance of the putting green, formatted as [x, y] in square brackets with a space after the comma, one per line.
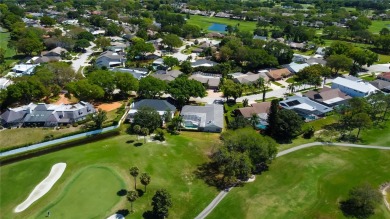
[93, 192]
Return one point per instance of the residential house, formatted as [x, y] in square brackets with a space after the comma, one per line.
[256, 37]
[161, 106]
[46, 114]
[305, 107]
[315, 61]
[110, 59]
[117, 47]
[203, 62]
[248, 78]
[137, 73]
[296, 67]
[354, 88]
[167, 75]
[208, 118]
[384, 76]
[4, 83]
[298, 46]
[210, 81]
[24, 69]
[56, 52]
[259, 109]
[320, 51]
[328, 96]
[158, 64]
[381, 85]
[278, 74]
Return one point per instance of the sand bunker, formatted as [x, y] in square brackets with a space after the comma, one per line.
[116, 216]
[43, 187]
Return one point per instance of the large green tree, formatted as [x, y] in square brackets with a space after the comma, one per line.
[126, 82]
[282, 52]
[86, 91]
[182, 89]
[172, 41]
[150, 87]
[339, 63]
[104, 79]
[362, 201]
[147, 118]
[231, 89]
[161, 203]
[98, 118]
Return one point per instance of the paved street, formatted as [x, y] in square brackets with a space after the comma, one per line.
[82, 60]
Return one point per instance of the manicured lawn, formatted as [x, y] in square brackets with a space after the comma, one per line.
[170, 165]
[93, 186]
[205, 22]
[377, 135]
[4, 38]
[21, 136]
[307, 184]
[377, 26]
[368, 77]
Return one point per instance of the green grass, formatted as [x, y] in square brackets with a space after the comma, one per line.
[205, 22]
[368, 77]
[377, 135]
[376, 26]
[290, 80]
[92, 186]
[4, 38]
[307, 184]
[170, 165]
[276, 83]
[21, 136]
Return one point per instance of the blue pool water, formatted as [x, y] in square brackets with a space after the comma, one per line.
[217, 27]
[261, 126]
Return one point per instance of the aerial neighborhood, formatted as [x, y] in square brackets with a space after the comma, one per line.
[194, 109]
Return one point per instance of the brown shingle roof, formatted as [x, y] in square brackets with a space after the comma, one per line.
[279, 73]
[256, 108]
[385, 75]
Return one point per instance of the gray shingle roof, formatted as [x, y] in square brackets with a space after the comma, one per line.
[159, 105]
[210, 114]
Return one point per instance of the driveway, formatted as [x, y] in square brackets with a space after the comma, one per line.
[82, 60]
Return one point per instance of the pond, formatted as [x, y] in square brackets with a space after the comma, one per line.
[218, 27]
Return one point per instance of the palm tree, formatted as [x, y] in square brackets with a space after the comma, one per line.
[145, 132]
[131, 197]
[136, 130]
[254, 120]
[134, 171]
[291, 87]
[263, 85]
[145, 179]
[245, 102]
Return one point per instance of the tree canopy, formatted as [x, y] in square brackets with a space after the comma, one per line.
[147, 118]
[182, 89]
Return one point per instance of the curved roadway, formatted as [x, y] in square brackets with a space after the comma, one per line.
[223, 193]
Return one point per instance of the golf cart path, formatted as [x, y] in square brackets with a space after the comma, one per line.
[223, 193]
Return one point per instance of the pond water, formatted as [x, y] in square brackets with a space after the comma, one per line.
[218, 27]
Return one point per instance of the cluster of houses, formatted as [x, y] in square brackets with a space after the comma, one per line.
[208, 118]
[48, 115]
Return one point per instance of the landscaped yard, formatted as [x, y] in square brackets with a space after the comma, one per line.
[307, 184]
[87, 191]
[205, 22]
[21, 136]
[377, 26]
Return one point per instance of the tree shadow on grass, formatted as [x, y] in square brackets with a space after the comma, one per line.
[130, 141]
[138, 144]
[122, 192]
[148, 215]
[210, 174]
[123, 212]
[140, 192]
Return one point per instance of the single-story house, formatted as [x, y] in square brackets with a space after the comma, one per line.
[46, 114]
[161, 106]
[260, 109]
[299, 46]
[137, 73]
[4, 83]
[384, 76]
[278, 74]
[167, 75]
[354, 88]
[57, 52]
[296, 67]
[157, 63]
[203, 62]
[110, 59]
[248, 78]
[381, 85]
[328, 96]
[305, 107]
[315, 61]
[117, 47]
[210, 81]
[24, 69]
[320, 51]
[208, 118]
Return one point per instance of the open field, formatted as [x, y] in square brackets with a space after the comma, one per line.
[307, 184]
[377, 26]
[377, 135]
[20, 136]
[170, 165]
[205, 22]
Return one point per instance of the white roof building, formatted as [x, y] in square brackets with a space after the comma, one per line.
[4, 83]
[25, 69]
[354, 88]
